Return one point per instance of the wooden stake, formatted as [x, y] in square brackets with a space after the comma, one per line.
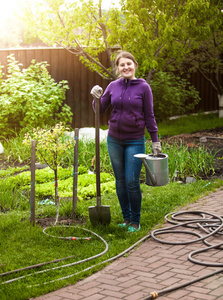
[75, 198]
[33, 167]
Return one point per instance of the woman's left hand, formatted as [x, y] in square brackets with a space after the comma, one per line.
[156, 148]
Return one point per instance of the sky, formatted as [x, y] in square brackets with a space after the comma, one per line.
[9, 9]
[8, 6]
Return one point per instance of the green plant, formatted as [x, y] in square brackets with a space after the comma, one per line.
[12, 171]
[197, 162]
[14, 149]
[31, 98]
[51, 146]
[171, 95]
[11, 198]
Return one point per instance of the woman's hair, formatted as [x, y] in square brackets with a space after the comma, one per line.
[125, 54]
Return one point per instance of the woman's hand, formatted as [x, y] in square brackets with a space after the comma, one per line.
[156, 148]
[97, 91]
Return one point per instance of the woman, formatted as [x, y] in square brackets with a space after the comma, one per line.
[132, 112]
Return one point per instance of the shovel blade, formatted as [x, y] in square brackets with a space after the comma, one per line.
[100, 215]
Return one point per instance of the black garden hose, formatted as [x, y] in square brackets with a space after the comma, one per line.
[208, 223]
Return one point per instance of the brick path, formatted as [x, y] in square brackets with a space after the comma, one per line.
[152, 267]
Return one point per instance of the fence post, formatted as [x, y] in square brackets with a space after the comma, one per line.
[33, 167]
[75, 198]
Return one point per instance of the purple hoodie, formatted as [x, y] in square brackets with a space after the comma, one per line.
[132, 103]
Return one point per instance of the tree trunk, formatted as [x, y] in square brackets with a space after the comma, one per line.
[56, 196]
[150, 76]
[220, 109]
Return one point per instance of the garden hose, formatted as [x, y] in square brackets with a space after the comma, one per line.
[63, 266]
[154, 295]
[208, 223]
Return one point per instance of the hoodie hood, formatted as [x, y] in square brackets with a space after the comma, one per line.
[131, 82]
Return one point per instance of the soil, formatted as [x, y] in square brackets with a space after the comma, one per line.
[212, 139]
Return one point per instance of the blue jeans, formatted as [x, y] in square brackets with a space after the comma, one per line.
[127, 170]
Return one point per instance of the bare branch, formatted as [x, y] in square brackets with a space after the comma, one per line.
[208, 79]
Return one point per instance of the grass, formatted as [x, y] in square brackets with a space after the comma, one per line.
[189, 124]
[22, 245]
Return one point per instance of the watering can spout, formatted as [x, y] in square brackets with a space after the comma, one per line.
[156, 168]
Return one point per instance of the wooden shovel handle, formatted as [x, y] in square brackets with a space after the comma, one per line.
[97, 149]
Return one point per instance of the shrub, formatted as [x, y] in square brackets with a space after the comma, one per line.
[30, 98]
[172, 95]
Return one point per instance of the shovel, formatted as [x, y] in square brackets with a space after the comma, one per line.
[98, 214]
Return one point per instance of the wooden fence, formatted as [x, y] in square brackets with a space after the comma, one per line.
[66, 66]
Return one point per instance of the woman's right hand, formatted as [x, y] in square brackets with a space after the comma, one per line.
[97, 91]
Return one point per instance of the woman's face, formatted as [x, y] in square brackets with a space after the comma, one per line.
[126, 68]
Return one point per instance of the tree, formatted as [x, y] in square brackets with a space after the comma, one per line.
[162, 34]
[51, 146]
[172, 35]
[82, 27]
[207, 59]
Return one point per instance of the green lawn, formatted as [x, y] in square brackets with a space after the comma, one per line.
[23, 245]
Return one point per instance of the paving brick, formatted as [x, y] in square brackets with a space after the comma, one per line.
[50, 297]
[136, 296]
[218, 292]
[126, 278]
[214, 284]
[201, 290]
[113, 294]
[105, 280]
[132, 289]
[110, 287]
[199, 296]
[153, 266]
[90, 292]
[94, 297]
[178, 294]
[129, 283]
[112, 298]
[170, 281]
[160, 270]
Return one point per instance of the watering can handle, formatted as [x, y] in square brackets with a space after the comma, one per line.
[151, 176]
[97, 149]
[153, 179]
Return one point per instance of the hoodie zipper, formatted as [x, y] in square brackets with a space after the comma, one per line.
[122, 98]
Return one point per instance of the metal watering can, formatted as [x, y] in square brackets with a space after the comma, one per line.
[157, 171]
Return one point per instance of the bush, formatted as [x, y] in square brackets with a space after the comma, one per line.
[30, 98]
[171, 95]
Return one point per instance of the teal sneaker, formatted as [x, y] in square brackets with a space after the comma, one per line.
[133, 229]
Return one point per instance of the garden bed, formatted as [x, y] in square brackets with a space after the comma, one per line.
[213, 142]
